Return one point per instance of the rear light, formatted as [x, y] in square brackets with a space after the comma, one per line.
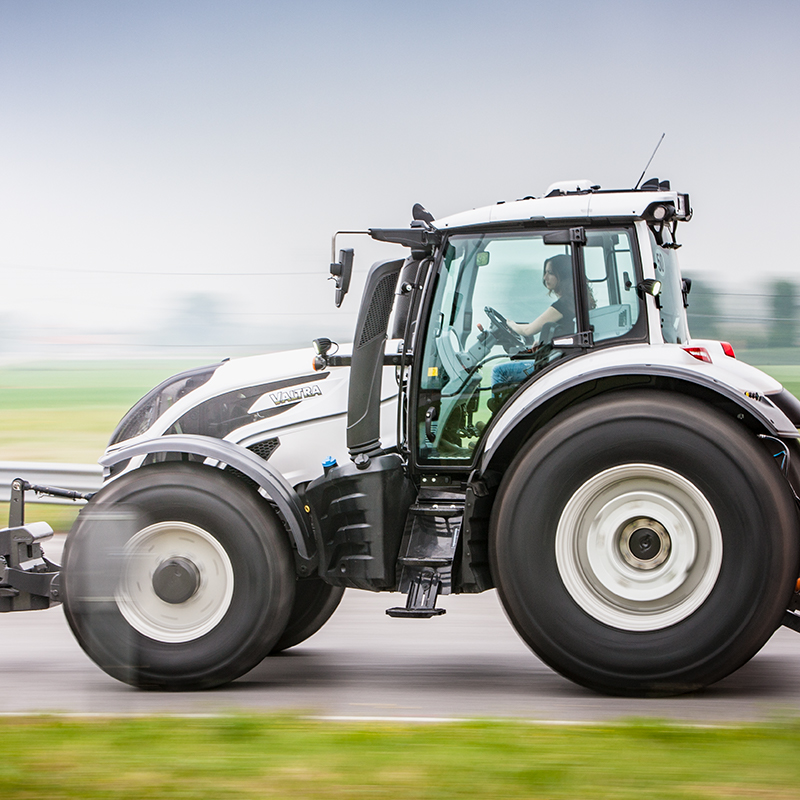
[700, 353]
[727, 349]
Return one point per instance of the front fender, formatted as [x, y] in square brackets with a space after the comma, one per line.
[271, 482]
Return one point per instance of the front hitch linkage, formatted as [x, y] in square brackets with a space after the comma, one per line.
[28, 580]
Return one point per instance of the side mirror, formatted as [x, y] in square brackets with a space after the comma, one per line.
[341, 271]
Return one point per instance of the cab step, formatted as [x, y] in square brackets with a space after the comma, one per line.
[432, 531]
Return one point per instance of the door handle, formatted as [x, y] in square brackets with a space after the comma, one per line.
[430, 416]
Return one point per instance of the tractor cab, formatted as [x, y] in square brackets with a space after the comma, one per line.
[508, 305]
[505, 294]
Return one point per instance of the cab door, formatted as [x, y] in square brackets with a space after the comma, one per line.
[482, 279]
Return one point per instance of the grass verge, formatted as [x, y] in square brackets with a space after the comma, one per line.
[58, 517]
[264, 756]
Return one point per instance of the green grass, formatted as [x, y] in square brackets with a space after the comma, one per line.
[58, 517]
[789, 376]
[66, 411]
[770, 355]
[263, 757]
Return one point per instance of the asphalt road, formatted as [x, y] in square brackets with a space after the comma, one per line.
[467, 663]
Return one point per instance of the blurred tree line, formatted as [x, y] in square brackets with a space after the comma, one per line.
[748, 320]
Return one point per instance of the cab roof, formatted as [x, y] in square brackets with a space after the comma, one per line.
[577, 200]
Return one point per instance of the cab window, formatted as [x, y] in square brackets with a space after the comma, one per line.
[499, 303]
[611, 280]
[502, 305]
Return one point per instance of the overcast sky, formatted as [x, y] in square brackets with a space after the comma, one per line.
[142, 143]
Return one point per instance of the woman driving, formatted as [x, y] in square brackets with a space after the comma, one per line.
[558, 318]
[557, 279]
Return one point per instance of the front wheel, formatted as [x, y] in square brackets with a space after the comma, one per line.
[645, 544]
[177, 576]
[314, 604]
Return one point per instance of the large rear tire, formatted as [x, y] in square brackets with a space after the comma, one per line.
[177, 576]
[644, 544]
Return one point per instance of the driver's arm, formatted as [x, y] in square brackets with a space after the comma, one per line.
[531, 328]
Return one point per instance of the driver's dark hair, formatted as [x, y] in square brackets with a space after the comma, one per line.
[561, 267]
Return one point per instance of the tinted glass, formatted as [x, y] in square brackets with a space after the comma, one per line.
[472, 361]
[611, 278]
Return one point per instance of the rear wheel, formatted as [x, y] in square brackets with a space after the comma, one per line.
[177, 576]
[645, 544]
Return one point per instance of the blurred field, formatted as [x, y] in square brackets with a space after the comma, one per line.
[789, 376]
[66, 411]
[258, 756]
[58, 517]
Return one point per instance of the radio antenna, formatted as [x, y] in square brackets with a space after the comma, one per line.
[648, 163]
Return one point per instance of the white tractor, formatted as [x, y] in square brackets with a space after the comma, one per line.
[522, 408]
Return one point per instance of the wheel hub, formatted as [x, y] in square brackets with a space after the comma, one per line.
[638, 547]
[176, 580]
[644, 543]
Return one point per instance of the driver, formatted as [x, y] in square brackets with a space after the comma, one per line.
[559, 317]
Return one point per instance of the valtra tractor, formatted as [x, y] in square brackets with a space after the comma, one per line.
[522, 408]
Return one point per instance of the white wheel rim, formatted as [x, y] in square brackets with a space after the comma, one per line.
[155, 618]
[599, 567]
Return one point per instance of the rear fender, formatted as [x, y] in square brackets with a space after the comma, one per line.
[271, 483]
[536, 404]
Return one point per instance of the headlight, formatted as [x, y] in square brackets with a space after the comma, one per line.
[156, 402]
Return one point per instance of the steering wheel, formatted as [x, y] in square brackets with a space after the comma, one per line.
[506, 335]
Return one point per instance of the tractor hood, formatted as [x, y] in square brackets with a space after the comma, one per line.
[240, 398]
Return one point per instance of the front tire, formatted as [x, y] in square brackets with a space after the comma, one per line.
[177, 576]
[314, 604]
[644, 544]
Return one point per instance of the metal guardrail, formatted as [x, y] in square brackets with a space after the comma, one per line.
[78, 477]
